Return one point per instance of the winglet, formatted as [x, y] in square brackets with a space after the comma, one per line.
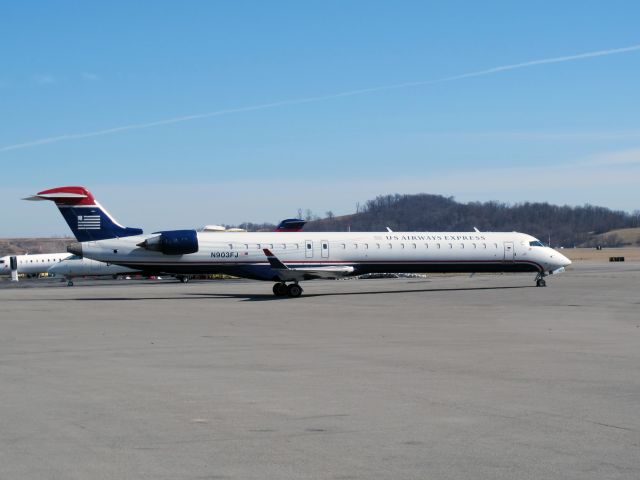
[275, 263]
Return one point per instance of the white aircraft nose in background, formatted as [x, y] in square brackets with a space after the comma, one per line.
[560, 259]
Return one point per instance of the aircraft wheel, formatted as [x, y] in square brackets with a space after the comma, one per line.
[294, 290]
[184, 278]
[280, 289]
[70, 283]
[541, 283]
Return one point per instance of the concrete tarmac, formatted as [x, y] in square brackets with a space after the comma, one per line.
[446, 377]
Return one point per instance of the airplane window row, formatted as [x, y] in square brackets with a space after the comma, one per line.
[367, 246]
[44, 260]
[260, 246]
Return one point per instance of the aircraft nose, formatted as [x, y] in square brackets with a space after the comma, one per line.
[560, 260]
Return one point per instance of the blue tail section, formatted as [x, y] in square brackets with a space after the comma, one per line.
[94, 223]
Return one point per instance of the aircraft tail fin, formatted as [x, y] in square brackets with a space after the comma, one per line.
[87, 219]
[291, 225]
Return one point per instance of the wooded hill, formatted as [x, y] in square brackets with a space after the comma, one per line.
[566, 226]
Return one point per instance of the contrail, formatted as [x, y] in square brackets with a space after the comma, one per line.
[298, 101]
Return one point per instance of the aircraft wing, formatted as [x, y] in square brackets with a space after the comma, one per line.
[305, 273]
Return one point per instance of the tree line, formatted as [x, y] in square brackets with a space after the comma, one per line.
[558, 225]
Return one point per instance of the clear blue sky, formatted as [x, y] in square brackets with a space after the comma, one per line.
[565, 132]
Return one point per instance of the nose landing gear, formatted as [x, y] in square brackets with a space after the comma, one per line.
[281, 289]
[540, 282]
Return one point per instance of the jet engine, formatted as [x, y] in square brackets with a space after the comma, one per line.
[172, 242]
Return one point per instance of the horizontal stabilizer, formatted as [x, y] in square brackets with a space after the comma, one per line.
[55, 196]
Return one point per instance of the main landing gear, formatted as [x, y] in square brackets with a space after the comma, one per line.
[281, 289]
[540, 282]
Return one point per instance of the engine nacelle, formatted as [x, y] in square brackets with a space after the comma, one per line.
[172, 242]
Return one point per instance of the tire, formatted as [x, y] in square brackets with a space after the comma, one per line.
[280, 289]
[294, 290]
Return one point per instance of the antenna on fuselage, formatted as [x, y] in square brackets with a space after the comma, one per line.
[477, 231]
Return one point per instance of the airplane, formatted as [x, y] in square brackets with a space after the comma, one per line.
[289, 258]
[60, 264]
[32, 264]
[76, 266]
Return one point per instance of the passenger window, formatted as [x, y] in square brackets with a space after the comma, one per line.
[451, 245]
[377, 245]
[413, 245]
[462, 245]
[426, 245]
[355, 245]
[284, 246]
[437, 245]
[246, 246]
[402, 245]
[366, 246]
[484, 245]
[344, 245]
[495, 245]
[474, 245]
[297, 246]
[231, 246]
[390, 245]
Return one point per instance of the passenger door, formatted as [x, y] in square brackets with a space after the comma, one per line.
[508, 252]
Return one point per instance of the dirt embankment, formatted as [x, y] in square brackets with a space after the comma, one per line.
[20, 246]
[630, 254]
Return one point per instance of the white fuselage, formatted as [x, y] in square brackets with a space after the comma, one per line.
[32, 264]
[75, 266]
[242, 253]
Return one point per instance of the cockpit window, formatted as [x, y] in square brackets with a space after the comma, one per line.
[537, 243]
[1, 261]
